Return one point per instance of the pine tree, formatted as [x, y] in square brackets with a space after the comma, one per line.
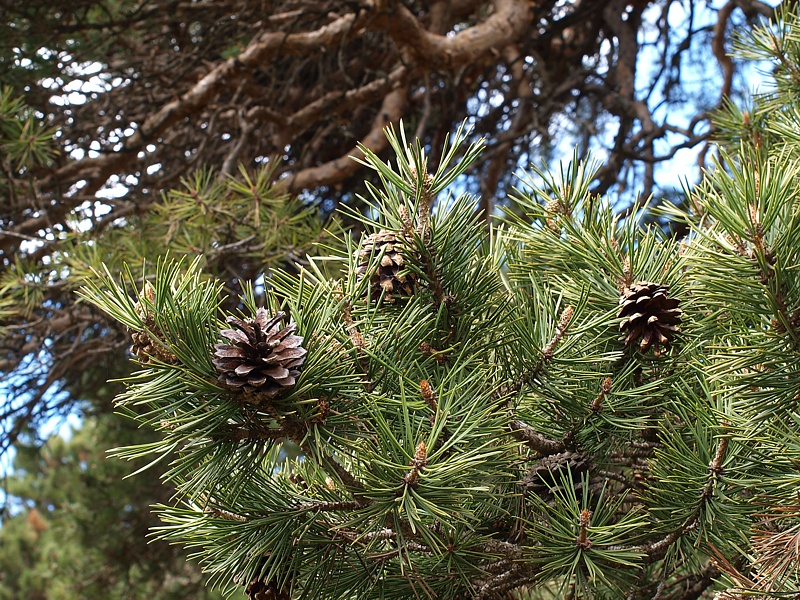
[569, 404]
[92, 542]
[77, 529]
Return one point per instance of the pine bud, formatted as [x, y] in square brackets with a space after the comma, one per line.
[561, 329]
[428, 395]
[597, 404]
[357, 339]
[420, 455]
[411, 479]
[583, 540]
[323, 410]
[405, 219]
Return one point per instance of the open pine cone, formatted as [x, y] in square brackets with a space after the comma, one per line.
[391, 275]
[649, 315]
[264, 359]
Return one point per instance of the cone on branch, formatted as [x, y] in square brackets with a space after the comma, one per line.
[149, 343]
[264, 358]
[649, 316]
[546, 475]
[391, 277]
[258, 589]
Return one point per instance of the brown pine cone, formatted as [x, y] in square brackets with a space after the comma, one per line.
[265, 357]
[149, 343]
[391, 277]
[545, 476]
[649, 316]
[260, 590]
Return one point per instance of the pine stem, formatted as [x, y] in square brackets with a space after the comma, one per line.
[525, 433]
[331, 506]
[547, 354]
[225, 514]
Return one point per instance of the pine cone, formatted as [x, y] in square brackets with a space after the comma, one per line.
[650, 315]
[265, 358]
[546, 474]
[145, 347]
[391, 275]
[260, 590]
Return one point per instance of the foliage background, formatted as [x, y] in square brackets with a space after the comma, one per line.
[107, 104]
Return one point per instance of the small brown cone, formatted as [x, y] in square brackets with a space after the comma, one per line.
[264, 359]
[149, 343]
[547, 474]
[391, 276]
[261, 590]
[649, 316]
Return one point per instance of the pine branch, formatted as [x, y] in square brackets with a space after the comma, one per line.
[697, 585]
[538, 442]
[486, 410]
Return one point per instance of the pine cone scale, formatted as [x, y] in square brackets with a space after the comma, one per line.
[244, 369]
[285, 332]
[672, 317]
[224, 351]
[226, 364]
[290, 352]
[288, 341]
[277, 372]
[235, 336]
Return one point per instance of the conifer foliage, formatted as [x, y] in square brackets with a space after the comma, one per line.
[487, 432]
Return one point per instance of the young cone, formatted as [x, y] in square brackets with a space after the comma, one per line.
[144, 347]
